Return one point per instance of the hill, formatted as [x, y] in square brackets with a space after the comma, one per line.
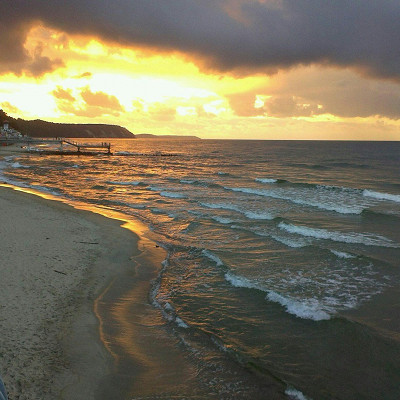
[39, 128]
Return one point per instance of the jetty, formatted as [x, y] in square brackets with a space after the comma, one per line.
[60, 146]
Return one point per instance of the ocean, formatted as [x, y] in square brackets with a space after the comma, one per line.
[282, 257]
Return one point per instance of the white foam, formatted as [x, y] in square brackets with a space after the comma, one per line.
[266, 180]
[170, 315]
[306, 309]
[222, 220]
[256, 215]
[18, 165]
[222, 206]
[122, 183]
[248, 214]
[181, 323]
[295, 394]
[240, 281]
[290, 242]
[382, 196]
[212, 257]
[322, 202]
[352, 237]
[342, 254]
[173, 195]
[188, 181]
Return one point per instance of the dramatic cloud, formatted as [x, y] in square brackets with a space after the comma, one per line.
[340, 93]
[228, 35]
[14, 57]
[40, 65]
[101, 100]
[90, 105]
[308, 91]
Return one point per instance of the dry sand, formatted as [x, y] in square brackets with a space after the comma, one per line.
[54, 262]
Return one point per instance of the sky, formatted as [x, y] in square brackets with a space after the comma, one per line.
[227, 69]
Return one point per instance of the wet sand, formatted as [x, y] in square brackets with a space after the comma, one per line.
[55, 261]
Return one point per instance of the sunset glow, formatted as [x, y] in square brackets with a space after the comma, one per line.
[82, 77]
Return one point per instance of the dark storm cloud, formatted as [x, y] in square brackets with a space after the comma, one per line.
[228, 35]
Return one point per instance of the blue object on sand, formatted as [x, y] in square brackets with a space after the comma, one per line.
[3, 393]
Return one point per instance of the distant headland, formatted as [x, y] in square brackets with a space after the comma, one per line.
[44, 129]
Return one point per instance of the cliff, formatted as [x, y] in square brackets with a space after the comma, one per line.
[39, 128]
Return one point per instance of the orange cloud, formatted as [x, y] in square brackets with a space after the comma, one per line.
[90, 105]
[242, 104]
[9, 108]
[84, 75]
[62, 94]
[101, 100]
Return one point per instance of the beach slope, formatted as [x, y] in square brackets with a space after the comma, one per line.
[54, 262]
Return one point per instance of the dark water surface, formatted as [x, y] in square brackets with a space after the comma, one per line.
[283, 257]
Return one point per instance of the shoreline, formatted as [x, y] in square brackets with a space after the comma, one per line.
[107, 339]
[56, 261]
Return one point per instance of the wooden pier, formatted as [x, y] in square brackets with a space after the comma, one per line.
[61, 146]
[103, 146]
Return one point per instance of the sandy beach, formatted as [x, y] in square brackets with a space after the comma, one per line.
[55, 260]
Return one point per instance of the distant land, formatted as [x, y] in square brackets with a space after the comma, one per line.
[39, 128]
[151, 136]
[44, 129]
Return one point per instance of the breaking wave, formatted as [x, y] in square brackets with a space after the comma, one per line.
[213, 257]
[352, 237]
[305, 309]
[382, 196]
[322, 201]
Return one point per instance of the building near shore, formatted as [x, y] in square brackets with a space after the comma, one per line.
[7, 131]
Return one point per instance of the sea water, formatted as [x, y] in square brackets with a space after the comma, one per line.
[281, 256]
